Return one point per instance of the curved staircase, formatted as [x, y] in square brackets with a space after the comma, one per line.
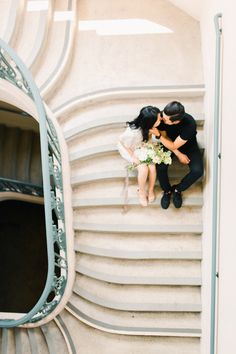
[138, 273]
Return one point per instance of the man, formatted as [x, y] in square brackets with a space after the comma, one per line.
[177, 132]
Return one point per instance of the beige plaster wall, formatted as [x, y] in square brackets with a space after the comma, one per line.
[193, 7]
[101, 62]
[226, 304]
[227, 265]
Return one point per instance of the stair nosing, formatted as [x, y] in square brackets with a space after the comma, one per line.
[118, 228]
[139, 307]
[108, 175]
[92, 202]
[138, 280]
[128, 92]
[114, 121]
[149, 255]
[192, 332]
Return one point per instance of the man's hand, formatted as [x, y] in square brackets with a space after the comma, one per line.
[183, 158]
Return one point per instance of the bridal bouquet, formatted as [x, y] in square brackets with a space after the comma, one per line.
[152, 153]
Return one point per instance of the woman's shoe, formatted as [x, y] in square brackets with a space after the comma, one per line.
[143, 199]
[151, 197]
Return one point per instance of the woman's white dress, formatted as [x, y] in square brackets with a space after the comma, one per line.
[131, 139]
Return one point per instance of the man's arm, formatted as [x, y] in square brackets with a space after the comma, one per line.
[181, 157]
[172, 145]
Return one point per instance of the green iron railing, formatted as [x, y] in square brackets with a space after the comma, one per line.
[14, 71]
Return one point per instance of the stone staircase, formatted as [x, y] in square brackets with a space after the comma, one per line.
[49, 338]
[137, 274]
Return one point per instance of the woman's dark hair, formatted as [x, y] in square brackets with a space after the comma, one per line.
[175, 110]
[145, 120]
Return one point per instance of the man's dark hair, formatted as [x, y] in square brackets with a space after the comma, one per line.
[175, 110]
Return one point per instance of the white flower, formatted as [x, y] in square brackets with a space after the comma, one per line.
[153, 153]
[141, 154]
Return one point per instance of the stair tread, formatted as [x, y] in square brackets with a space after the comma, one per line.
[133, 329]
[118, 174]
[93, 151]
[82, 202]
[136, 306]
[148, 280]
[139, 228]
[111, 121]
[131, 254]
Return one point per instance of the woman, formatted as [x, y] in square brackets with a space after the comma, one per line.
[138, 131]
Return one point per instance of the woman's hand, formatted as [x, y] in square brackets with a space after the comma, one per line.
[154, 131]
[135, 160]
[159, 119]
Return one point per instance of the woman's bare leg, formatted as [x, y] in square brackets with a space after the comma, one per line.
[142, 179]
[152, 181]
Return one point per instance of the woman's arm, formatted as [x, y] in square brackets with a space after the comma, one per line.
[127, 153]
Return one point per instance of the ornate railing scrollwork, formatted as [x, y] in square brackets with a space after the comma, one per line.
[13, 71]
[10, 71]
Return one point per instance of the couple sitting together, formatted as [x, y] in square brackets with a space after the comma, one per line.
[176, 131]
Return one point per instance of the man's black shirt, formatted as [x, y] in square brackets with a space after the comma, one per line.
[186, 129]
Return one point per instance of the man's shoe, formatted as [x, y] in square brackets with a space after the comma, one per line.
[165, 200]
[177, 198]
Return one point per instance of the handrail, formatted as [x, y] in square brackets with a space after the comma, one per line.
[215, 178]
[12, 185]
[14, 71]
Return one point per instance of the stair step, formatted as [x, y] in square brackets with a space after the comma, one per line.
[143, 268]
[135, 216]
[92, 139]
[145, 271]
[115, 121]
[22, 341]
[129, 246]
[115, 189]
[124, 254]
[66, 333]
[29, 28]
[93, 152]
[37, 340]
[57, 43]
[79, 203]
[147, 280]
[54, 338]
[8, 341]
[154, 323]
[111, 175]
[114, 164]
[151, 298]
[118, 228]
